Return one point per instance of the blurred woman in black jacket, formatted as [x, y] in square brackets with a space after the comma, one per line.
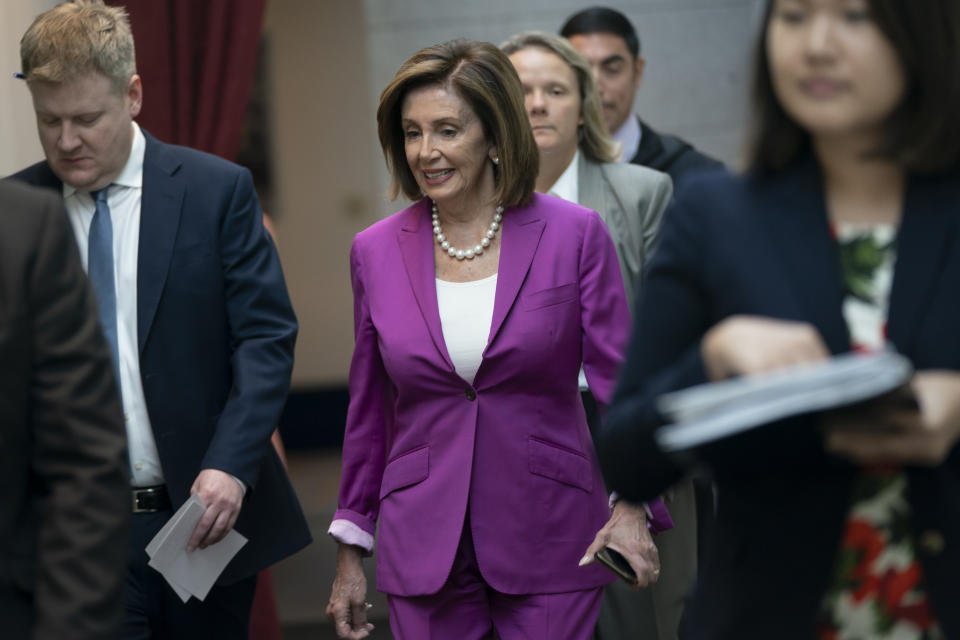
[844, 235]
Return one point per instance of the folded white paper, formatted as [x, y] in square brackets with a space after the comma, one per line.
[165, 530]
[712, 411]
[190, 573]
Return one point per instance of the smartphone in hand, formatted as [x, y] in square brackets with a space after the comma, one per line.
[614, 561]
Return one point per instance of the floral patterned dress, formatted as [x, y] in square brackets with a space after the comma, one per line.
[877, 589]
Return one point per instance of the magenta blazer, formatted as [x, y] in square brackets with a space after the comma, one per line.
[423, 446]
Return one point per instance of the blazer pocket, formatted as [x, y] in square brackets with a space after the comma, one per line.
[405, 470]
[549, 297]
[560, 464]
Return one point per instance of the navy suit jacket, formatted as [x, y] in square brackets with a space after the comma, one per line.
[216, 333]
[762, 246]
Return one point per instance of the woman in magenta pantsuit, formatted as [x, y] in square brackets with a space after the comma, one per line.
[474, 310]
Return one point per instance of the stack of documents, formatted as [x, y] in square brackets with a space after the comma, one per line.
[713, 411]
[190, 573]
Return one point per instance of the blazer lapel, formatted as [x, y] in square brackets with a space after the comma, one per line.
[928, 228]
[796, 216]
[522, 229]
[160, 210]
[45, 177]
[650, 148]
[416, 246]
[596, 191]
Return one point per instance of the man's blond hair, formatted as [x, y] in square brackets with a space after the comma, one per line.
[76, 38]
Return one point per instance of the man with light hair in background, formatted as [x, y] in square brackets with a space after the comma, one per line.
[193, 305]
[608, 41]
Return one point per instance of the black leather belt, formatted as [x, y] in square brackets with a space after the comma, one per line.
[150, 499]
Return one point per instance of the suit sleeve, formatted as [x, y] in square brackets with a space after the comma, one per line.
[263, 330]
[652, 209]
[369, 417]
[605, 318]
[664, 354]
[79, 452]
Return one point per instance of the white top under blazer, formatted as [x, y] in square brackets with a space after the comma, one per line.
[466, 313]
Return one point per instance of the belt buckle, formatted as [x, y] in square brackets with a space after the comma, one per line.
[136, 493]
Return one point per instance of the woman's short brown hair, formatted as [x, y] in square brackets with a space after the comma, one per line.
[483, 77]
[923, 132]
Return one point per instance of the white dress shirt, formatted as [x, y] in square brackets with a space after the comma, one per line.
[628, 135]
[567, 185]
[124, 199]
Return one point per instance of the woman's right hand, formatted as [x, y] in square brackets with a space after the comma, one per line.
[919, 426]
[347, 608]
[744, 345]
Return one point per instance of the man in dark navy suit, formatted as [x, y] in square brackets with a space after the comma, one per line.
[194, 307]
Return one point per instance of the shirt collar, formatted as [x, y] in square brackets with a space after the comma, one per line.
[628, 135]
[132, 173]
[567, 185]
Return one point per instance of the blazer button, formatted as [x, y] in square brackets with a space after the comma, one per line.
[471, 394]
[931, 542]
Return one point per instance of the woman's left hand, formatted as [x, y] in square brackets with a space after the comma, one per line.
[626, 532]
[906, 436]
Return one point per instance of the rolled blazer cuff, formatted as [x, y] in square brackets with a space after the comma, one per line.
[346, 530]
[658, 516]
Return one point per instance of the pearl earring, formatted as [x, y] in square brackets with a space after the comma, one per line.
[496, 161]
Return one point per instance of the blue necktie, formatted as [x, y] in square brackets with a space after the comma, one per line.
[100, 270]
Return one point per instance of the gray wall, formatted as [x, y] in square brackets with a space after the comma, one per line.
[19, 145]
[696, 52]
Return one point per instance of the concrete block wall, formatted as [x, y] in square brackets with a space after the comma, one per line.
[696, 77]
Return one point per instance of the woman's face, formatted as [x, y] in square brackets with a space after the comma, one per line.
[552, 97]
[833, 70]
[446, 149]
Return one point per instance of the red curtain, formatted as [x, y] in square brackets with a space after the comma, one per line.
[197, 61]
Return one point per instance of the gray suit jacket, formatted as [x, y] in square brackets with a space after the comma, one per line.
[631, 200]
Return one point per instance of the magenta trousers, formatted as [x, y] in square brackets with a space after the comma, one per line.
[467, 608]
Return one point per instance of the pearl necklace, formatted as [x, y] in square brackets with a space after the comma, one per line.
[460, 254]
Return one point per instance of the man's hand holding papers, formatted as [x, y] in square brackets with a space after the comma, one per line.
[191, 573]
